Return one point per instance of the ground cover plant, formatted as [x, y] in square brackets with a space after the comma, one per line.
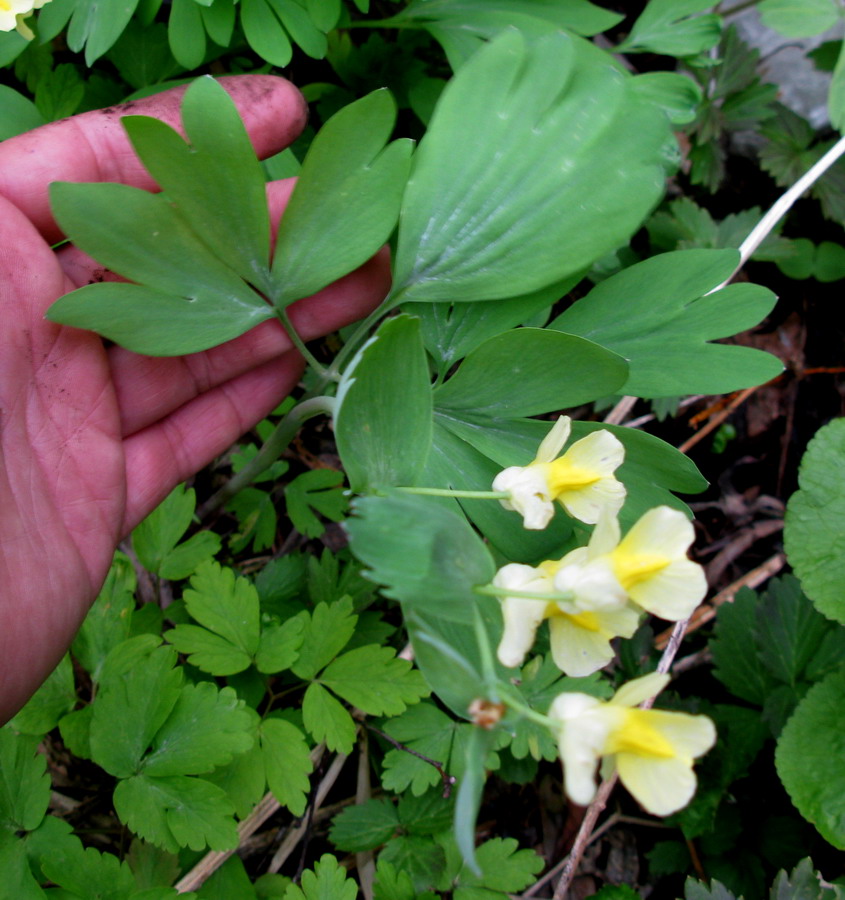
[533, 586]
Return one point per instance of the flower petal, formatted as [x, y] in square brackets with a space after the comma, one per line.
[635, 692]
[555, 440]
[661, 531]
[690, 736]
[660, 786]
[522, 616]
[674, 592]
[578, 651]
[529, 494]
[594, 585]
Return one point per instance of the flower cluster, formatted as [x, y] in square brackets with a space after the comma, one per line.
[591, 596]
[13, 13]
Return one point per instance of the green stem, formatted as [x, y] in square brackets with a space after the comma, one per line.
[334, 370]
[448, 492]
[491, 590]
[271, 450]
[297, 341]
[526, 712]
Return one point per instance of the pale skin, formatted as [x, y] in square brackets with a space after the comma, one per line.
[92, 439]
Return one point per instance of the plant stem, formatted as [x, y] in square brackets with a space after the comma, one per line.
[334, 370]
[447, 492]
[491, 590]
[272, 449]
[296, 340]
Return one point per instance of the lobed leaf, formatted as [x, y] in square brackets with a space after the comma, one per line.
[328, 881]
[326, 632]
[671, 27]
[287, 763]
[24, 782]
[326, 719]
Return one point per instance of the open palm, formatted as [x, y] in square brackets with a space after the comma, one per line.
[93, 438]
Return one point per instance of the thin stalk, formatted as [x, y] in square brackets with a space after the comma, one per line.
[448, 492]
[296, 340]
[272, 449]
[491, 590]
[334, 370]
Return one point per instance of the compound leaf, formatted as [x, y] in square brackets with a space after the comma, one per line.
[326, 632]
[328, 881]
[317, 490]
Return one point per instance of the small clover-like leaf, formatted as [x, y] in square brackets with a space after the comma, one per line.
[315, 491]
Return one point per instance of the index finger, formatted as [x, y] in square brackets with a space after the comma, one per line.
[93, 146]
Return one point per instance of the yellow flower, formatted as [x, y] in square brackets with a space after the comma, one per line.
[13, 13]
[650, 564]
[580, 638]
[652, 750]
[581, 480]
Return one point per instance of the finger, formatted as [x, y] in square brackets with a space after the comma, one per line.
[94, 147]
[165, 454]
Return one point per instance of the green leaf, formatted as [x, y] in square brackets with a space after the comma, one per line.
[174, 812]
[383, 418]
[89, 873]
[265, 33]
[677, 95]
[670, 27]
[328, 881]
[244, 780]
[421, 552]
[279, 645]
[229, 882]
[214, 179]
[502, 867]
[810, 758]
[374, 681]
[151, 866]
[256, 514]
[324, 13]
[364, 826]
[799, 18]
[205, 729]
[430, 813]
[142, 55]
[187, 299]
[803, 883]
[659, 315]
[327, 720]
[59, 92]
[468, 800]
[208, 651]
[481, 219]
[421, 858]
[302, 30]
[185, 558]
[391, 882]
[186, 34]
[55, 697]
[814, 535]
[536, 371]
[830, 262]
[18, 114]
[327, 631]
[219, 21]
[346, 200]
[138, 690]
[836, 94]
[14, 865]
[742, 672]
[428, 731]
[315, 490]
[97, 24]
[109, 619]
[24, 782]
[696, 890]
[156, 536]
[286, 762]
[616, 892]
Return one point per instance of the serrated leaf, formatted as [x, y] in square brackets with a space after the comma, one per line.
[327, 720]
[186, 301]
[814, 533]
[185, 558]
[346, 200]
[16, 869]
[205, 729]
[658, 315]
[151, 866]
[132, 704]
[502, 867]
[424, 554]
[392, 883]
[225, 604]
[286, 762]
[156, 536]
[803, 883]
[421, 858]
[243, 780]
[810, 758]
[671, 27]
[229, 882]
[178, 811]
[214, 179]
[142, 56]
[536, 371]
[55, 697]
[208, 651]
[741, 671]
[89, 873]
[481, 220]
[24, 782]
[696, 890]
[328, 881]
[317, 490]
[383, 424]
[364, 826]
[326, 632]
[109, 619]
[372, 679]
[279, 645]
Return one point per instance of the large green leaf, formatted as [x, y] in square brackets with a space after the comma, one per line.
[422, 553]
[529, 371]
[214, 178]
[189, 300]
[671, 27]
[563, 165]
[97, 24]
[346, 200]
[659, 315]
[814, 536]
[799, 18]
[17, 113]
[810, 758]
[383, 421]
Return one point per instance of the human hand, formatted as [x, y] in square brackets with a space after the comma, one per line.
[92, 439]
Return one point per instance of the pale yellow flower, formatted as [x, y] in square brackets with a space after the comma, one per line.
[580, 638]
[652, 750]
[581, 480]
[649, 564]
[13, 13]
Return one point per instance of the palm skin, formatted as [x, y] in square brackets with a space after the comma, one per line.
[92, 439]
